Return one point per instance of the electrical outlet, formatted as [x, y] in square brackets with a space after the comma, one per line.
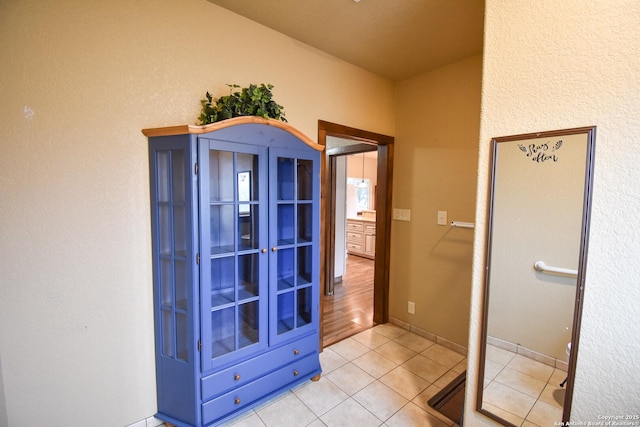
[411, 307]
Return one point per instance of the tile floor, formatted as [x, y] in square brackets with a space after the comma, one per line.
[383, 376]
[521, 390]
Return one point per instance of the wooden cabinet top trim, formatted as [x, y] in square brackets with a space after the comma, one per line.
[242, 120]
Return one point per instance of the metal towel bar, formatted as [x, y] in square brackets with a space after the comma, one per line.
[462, 224]
[544, 268]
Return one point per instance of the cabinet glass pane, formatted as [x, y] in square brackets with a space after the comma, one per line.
[247, 177]
[284, 224]
[305, 262]
[249, 323]
[222, 228]
[167, 333]
[172, 242]
[222, 281]
[166, 282]
[223, 331]
[304, 306]
[285, 178]
[180, 231]
[305, 223]
[285, 268]
[221, 176]
[163, 175]
[177, 167]
[248, 276]
[305, 179]
[165, 236]
[181, 336]
[181, 284]
[285, 312]
[248, 228]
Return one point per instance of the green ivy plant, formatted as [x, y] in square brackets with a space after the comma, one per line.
[255, 100]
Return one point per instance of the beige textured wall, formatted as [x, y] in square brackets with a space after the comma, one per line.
[79, 82]
[556, 64]
[435, 169]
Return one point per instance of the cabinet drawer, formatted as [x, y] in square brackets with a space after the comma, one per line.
[250, 393]
[354, 247]
[249, 370]
[353, 236]
[354, 226]
[369, 229]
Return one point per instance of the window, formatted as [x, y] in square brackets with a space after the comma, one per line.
[358, 193]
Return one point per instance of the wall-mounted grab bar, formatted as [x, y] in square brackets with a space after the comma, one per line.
[544, 268]
[462, 224]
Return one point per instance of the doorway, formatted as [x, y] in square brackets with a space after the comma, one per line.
[359, 141]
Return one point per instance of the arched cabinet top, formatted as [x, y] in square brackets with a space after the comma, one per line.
[238, 129]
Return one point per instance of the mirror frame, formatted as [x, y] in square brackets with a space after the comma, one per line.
[590, 132]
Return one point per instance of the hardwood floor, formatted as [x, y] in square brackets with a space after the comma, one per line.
[350, 309]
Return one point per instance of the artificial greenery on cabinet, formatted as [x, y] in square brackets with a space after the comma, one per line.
[254, 100]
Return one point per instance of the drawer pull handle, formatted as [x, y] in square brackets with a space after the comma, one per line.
[296, 373]
[296, 352]
[237, 401]
[236, 377]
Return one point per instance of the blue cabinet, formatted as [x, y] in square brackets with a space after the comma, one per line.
[235, 209]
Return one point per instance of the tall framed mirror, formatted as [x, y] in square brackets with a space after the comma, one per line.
[538, 228]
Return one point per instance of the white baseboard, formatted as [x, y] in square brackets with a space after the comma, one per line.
[147, 422]
[430, 336]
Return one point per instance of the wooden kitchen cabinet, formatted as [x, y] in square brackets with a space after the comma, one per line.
[361, 237]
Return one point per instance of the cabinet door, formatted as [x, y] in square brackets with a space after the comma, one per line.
[233, 267]
[370, 244]
[369, 238]
[293, 240]
[175, 273]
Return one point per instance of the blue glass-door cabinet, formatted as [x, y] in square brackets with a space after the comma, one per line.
[235, 215]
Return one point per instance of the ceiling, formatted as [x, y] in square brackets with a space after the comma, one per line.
[396, 39]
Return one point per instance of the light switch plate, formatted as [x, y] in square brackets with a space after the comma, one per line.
[402, 214]
[442, 217]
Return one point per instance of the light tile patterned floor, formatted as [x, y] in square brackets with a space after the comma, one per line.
[380, 377]
[521, 390]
